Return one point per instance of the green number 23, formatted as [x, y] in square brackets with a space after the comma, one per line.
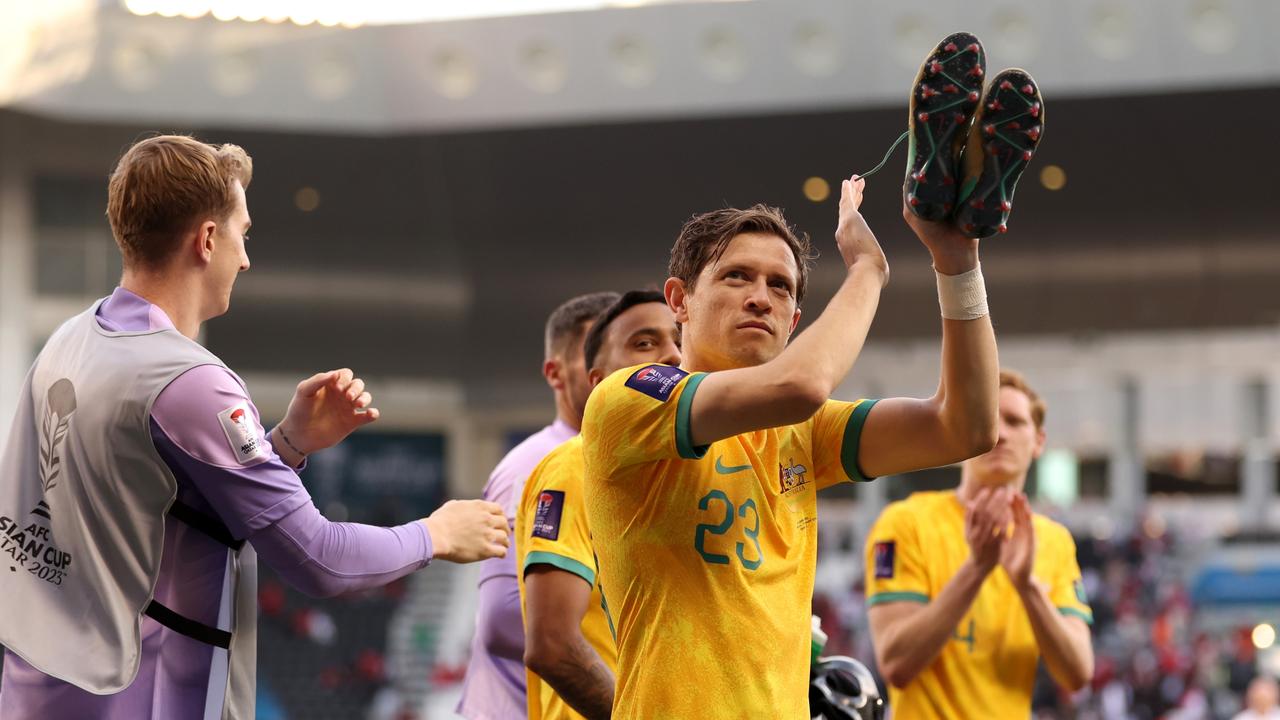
[752, 533]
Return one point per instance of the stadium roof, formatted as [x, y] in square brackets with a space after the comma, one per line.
[389, 66]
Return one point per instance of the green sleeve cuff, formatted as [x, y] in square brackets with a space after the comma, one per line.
[541, 557]
[684, 433]
[853, 439]
[900, 596]
[1087, 617]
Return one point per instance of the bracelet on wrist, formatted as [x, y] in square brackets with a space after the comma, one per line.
[285, 438]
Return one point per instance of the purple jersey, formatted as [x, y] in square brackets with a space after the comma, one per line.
[259, 499]
[495, 686]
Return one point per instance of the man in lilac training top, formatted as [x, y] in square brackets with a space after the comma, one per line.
[177, 210]
[495, 682]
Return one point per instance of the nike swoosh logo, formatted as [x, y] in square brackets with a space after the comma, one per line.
[720, 467]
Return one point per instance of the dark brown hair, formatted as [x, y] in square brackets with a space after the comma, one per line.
[565, 326]
[704, 237]
[163, 186]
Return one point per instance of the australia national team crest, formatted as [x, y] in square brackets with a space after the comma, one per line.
[546, 517]
[1081, 595]
[656, 381]
[242, 432]
[792, 477]
[884, 560]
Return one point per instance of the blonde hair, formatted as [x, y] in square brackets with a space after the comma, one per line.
[1017, 381]
[165, 185]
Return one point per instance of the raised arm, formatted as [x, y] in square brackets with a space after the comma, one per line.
[959, 421]
[791, 387]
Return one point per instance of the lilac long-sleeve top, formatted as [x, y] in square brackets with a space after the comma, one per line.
[494, 688]
[261, 501]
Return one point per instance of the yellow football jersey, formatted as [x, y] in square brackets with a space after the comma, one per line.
[707, 554]
[914, 549]
[551, 529]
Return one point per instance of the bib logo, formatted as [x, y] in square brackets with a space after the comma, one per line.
[242, 433]
[31, 546]
[792, 478]
[60, 405]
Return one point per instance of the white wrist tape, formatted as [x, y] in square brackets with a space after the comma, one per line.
[963, 296]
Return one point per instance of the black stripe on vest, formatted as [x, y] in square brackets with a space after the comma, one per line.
[180, 624]
[204, 523]
[187, 626]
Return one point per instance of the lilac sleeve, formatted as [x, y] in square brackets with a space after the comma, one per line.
[230, 464]
[501, 627]
[261, 499]
[323, 558]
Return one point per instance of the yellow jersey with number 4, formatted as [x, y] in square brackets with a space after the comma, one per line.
[551, 529]
[914, 549]
[707, 554]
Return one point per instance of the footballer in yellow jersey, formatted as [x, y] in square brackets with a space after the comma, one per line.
[961, 606]
[735, 534]
[551, 531]
[990, 659]
[570, 650]
[701, 479]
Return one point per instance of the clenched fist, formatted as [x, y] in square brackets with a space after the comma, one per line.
[464, 531]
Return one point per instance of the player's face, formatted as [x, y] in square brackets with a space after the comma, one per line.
[742, 308]
[1020, 442]
[230, 257]
[644, 333]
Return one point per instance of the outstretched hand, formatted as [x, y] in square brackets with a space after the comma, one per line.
[853, 236]
[326, 408]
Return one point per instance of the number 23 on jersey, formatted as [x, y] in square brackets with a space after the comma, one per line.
[716, 505]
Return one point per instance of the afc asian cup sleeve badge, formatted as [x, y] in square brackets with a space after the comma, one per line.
[241, 429]
[546, 517]
[884, 552]
[656, 381]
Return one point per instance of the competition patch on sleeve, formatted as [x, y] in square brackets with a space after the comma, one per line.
[242, 432]
[884, 560]
[1081, 595]
[546, 518]
[656, 381]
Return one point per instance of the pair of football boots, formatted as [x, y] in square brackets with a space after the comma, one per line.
[968, 147]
